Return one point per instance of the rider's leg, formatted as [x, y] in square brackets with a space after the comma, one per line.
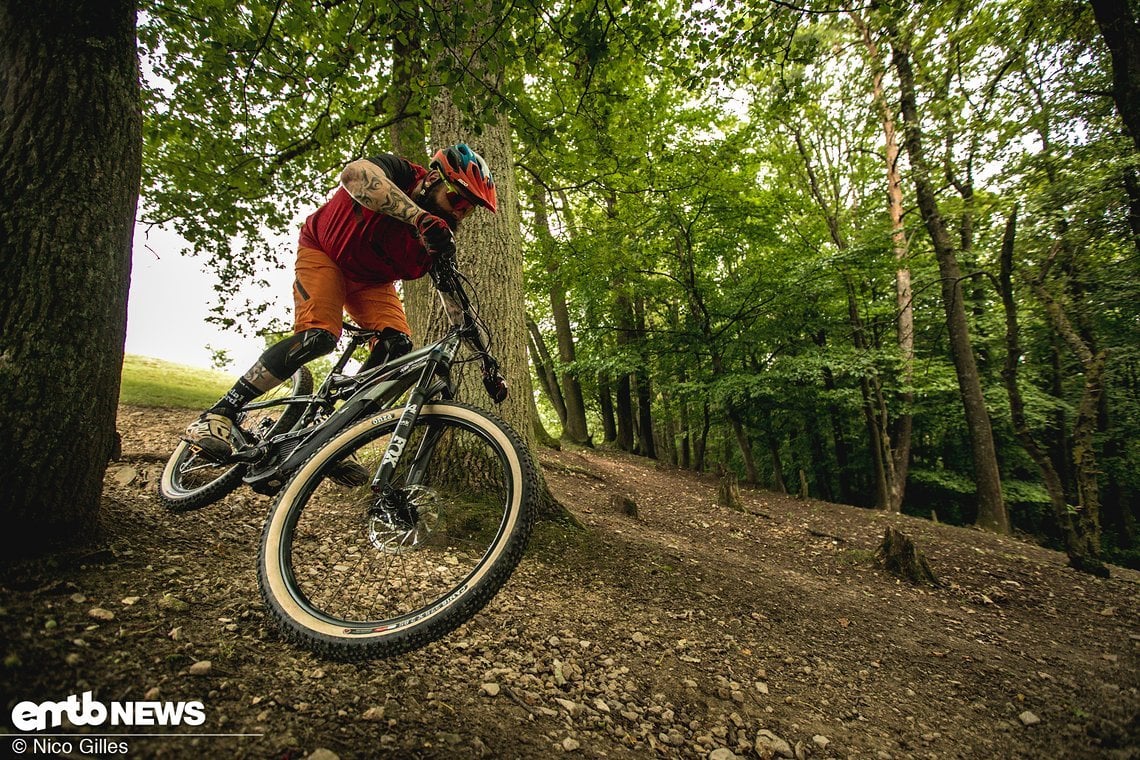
[378, 307]
[318, 296]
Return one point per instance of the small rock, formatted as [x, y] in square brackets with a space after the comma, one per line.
[72, 659]
[770, 745]
[152, 693]
[373, 714]
[124, 476]
[571, 707]
[570, 744]
[722, 753]
[1027, 718]
[130, 601]
[101, 614]
[490, 689]
[173, 603]
[201, 668]
[821, 741]
[322, 754]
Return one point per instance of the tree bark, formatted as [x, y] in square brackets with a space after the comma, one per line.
[1083, 551]
[606, 407]
[624, 407]
[1121, 34]
[643, 386]
[904, 423]
[70, 156]
[1087, 555]
[574, 417]
[992, 514]
[544, 368]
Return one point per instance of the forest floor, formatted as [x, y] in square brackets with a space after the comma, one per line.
[688, 631]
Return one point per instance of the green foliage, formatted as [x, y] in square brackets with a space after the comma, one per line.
[714, 186]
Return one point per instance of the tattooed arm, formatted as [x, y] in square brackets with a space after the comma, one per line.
[370, 187]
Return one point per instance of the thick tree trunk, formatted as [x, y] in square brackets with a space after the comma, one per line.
[70, 155]
[490, 254]
[991, 507]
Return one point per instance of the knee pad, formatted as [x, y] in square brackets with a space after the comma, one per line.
[284, 358]
[391, 345]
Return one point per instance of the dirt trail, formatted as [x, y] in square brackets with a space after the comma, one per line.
[690, 631]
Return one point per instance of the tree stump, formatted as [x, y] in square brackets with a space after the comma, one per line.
[898, 555]
[728, 492]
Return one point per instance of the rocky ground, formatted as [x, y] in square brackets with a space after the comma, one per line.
[687, 631]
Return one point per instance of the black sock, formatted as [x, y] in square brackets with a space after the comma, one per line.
[230, 404]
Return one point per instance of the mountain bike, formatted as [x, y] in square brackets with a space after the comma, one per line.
[399, 511]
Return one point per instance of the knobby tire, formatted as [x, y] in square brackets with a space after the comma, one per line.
[351, 586]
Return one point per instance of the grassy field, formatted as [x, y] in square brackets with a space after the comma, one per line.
[153, 382]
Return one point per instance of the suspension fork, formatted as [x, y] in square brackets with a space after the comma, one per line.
[439, 360]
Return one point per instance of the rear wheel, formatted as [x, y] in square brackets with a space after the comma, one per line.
[192, 480]
[350, 583]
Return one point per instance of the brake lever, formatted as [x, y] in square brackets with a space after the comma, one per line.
[494, 382]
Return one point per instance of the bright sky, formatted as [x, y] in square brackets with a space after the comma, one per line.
[170, 298]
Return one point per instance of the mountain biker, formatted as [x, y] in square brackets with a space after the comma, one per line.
[389, 220]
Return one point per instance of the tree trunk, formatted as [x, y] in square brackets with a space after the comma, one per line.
[903, 429]
[991, 507]
[573, 403]
[778, 483]
[1083, 550]
[625, 421]
[1121, 34]
[701, 445]
[750, 473]
[70, 155]
[644, 388]
[544, 368]
[1087, 555]
[540, 432]
[490, 254]
[606, 406]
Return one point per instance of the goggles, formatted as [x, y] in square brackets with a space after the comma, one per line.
[456, 198]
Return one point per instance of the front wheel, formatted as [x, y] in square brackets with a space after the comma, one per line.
[191, 480]
[352, 582]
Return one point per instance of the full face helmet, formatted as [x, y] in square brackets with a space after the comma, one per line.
[468, 173]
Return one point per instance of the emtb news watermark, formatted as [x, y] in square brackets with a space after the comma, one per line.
[82, 710]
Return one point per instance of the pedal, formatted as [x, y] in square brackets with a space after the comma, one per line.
[198, 451]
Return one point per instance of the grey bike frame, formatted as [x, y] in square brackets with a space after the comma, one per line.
[416, 370]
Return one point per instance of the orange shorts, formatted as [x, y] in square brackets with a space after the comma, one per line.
[321, 294]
